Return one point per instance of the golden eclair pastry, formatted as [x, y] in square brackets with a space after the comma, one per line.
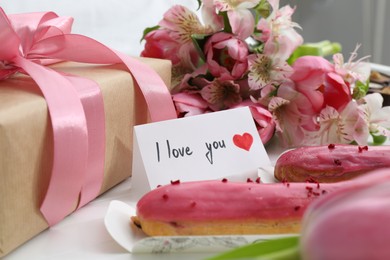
[226, 208]
[332, 163]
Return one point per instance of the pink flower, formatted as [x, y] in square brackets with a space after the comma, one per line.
[352, 71]
[221, 95]
[188, 104]
[159, 44]
[226, 56]
[240, 17]
[210, 16]
[317, 107]
[277, 31]
[173, 40]
[345, 127]
[315, 77]
[293, 116]
[288, 126]
[264, 121]
[265, 70]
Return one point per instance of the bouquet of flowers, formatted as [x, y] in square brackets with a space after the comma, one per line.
[249, 53]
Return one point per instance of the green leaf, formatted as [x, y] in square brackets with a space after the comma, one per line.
[148, 30]
[378, 139]
[199, 4]
[226, 22]
[199, 41]
[360, 90]
[286, 248]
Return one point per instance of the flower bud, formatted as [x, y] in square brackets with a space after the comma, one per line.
[226, 56]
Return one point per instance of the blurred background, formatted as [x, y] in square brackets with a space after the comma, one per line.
[120, 23]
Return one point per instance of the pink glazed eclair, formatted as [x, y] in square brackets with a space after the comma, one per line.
[226, 208]
[332, 163]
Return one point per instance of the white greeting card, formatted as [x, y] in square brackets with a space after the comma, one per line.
[216, 145]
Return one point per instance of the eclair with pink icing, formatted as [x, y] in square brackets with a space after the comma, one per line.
[226, 208]
[329, 233]
[332, 163]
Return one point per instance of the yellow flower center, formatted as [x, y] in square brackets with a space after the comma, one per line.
[188, 24]
[262, 67]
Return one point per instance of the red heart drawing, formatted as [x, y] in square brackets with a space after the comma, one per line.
[243, 141]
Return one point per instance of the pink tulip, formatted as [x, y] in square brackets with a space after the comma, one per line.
[351, 223]
[188, 104]
[310, 109]
[159, 44]
[315, 77]
[226, 56]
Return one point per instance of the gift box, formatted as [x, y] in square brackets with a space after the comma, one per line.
[26, 141]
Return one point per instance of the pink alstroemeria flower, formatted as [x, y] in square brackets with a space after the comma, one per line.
[173, 40]
[287, 128]
[210, 16]
[278, 31]
[226, 56]
[221, 95]
[265, 70]
[339, 127]
[292, 115]
[240, 17]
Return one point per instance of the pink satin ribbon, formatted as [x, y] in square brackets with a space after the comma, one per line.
[30, 41]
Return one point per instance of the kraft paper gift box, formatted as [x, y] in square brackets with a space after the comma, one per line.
[26, 142]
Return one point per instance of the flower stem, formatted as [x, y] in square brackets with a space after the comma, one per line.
[322, 48]
[226, 23]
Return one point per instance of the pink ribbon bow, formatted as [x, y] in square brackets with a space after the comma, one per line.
[30, 41]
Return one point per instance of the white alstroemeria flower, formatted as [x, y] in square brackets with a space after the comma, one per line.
[378, 117]
[352, 70]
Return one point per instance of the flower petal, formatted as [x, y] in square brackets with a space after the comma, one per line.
[242, 22]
